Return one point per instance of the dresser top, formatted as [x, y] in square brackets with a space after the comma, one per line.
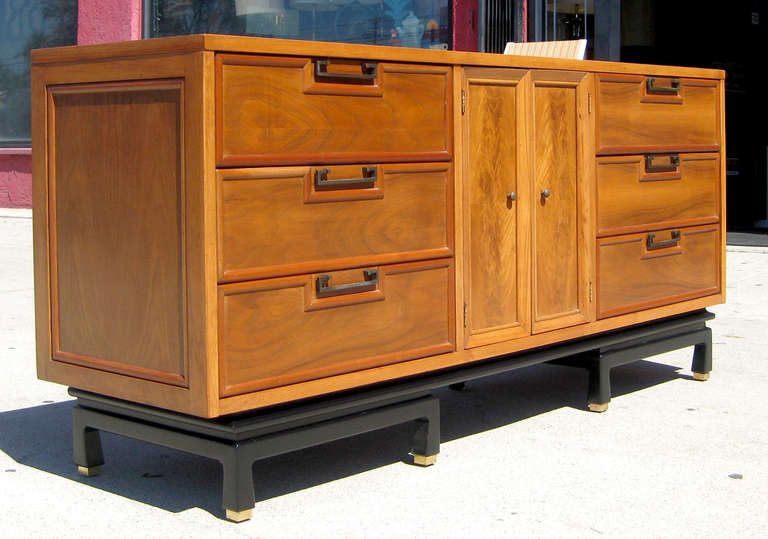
[259, 45]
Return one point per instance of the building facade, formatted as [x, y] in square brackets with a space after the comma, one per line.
[643, 31]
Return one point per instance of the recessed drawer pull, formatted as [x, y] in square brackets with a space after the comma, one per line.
[366, 182]
[324, 290]
[652, 89]
[652, 245]
[369, 72]
[672, 166]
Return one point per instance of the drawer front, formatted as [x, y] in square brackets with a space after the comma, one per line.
[650, 192]
[293, 220]
[279, 110]
[282, 331]
[635, 272]
[634, 119]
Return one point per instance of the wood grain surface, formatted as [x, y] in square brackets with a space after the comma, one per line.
[276, 332]
[559, 254]
[632, 278]
[228, 348]
[629, 199]
[257, 45]
[266, 116]
[629, 123]
[274, 222]
[496, 236]
[118, 285]
[195, 396]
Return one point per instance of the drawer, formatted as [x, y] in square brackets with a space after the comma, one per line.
[282, 331]
[637, 114]
[639, 271]
[284, 110]
[649, 192]
[292, 220]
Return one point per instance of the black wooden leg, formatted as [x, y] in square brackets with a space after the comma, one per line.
[86, 445]
[237, 489]
[702, 357]
[426, 439]
[599, 384]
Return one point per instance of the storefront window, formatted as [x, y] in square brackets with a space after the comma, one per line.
[567, 19]
[557, 20]
[405, 23]
[25, 25]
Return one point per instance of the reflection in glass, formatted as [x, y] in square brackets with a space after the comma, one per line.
[25, 25]
[567, 19]
[407, 23]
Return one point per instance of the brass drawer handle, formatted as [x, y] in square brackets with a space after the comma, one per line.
[322, 183]
[673, 166]
[651, 245]
[324, 290]
[652, 89]
[369, 72]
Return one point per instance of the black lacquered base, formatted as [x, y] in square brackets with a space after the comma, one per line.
[238, 441]
[673, 335]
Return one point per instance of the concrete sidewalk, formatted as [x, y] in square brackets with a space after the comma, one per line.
[520, 457]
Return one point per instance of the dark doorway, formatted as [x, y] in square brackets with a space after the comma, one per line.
[731, 38]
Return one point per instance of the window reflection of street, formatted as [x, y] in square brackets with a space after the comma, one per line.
[412, 23]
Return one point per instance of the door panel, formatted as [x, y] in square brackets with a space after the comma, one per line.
[561, 255]
[496, 202]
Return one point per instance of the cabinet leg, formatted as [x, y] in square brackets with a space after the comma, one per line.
[86, 446]
[237, 497]
[702, 358]
[426, 439]
[599, 385]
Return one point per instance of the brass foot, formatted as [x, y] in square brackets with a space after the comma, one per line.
[89, 471]
[422, 460]
[596, 407]
[701, 376]
[239, 516]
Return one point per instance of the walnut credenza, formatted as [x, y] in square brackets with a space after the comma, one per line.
[227, 223]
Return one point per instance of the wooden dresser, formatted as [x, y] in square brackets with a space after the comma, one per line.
[227, 223]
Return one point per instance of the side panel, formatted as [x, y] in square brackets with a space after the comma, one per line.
[117, 203]
[122, 246]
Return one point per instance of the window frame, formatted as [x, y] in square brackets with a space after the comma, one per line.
[21, 146]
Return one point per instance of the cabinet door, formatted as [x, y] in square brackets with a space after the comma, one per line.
[562, 214]
[496, 205]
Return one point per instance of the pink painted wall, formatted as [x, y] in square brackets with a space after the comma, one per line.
[15, 181]
[464, 25]
[98, 21]
[102, 21]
